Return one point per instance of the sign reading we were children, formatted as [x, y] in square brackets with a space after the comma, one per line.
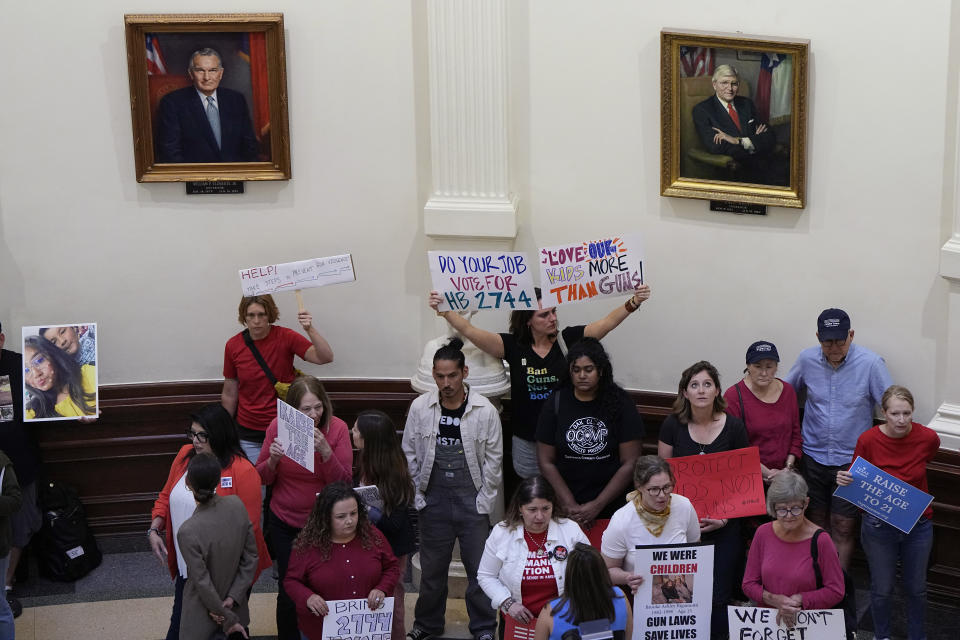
[884, 496]
[760, 623]
[589, 269]
[472, 280]
[354, 620]
[721, 485]
[676, 595]
[316, 272]
[295, 432]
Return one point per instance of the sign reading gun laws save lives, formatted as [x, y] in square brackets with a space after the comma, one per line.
[470, 280]
[315, 272]
[589, 269]
[676, 595]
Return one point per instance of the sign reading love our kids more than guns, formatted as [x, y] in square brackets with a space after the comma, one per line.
[584, 270]
[315, 272]
[884, 496]
[353, 620]
[721, 485]
[472, 280]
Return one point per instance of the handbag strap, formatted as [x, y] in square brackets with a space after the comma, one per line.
[256, 354]
[815, 554]
[743, 413]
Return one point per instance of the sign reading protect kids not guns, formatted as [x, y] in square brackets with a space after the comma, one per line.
[316, 272]
[590, 269]
[472, 280]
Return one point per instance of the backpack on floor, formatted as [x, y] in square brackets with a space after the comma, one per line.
[65, 547]
[849, 602]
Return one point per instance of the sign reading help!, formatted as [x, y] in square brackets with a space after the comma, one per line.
[316, 272]
[590, 269]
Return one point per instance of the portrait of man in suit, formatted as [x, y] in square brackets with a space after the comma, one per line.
[729, 124]
[205, 122]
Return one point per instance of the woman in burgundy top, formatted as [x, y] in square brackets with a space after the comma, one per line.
[339, 555]
[902, 448]
[294, 487]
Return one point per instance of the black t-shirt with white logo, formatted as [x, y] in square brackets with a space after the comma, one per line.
[449, 426]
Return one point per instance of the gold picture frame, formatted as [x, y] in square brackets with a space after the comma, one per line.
[252, 50]
[699, 156]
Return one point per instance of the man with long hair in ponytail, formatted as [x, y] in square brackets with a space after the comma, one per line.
[454, 450]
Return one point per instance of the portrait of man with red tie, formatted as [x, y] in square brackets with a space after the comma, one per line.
[728, 124]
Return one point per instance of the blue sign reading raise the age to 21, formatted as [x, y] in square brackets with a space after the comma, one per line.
[884, 496]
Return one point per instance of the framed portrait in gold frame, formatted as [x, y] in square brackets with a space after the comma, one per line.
[208, 96]
[733, 117]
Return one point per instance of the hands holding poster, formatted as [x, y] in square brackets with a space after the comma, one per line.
[471, 280]
[676, 596]
[590, 269]
[295, 433]
[721, 485]
[316, 272]
[760, 623]
[59, 372]
[354, 620]
[882, 495]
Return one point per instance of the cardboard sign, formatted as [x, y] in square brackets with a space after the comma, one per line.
[578, 271]
[60, 372]
[884, 496]
[676, 595]
[471, 280]
[316, 272]
[295, 432]
[721, 485]
[353, 620]
[760, 623]
[513, 630]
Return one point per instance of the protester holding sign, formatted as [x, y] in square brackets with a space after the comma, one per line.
[535, 351]
[780, 572]
[698, 425]
[768, 407]
[295, 488]
[902, 448]
[653, 515]
[588, 595]
[338, 555]
[382, 464]
[258, 358]
[55, 384]
[524, 559]
[588, 438]
[211, 431]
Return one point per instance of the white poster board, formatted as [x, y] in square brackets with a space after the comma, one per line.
[588, 269]
[295, 432]
[676, 596]
[353, 620]
[60, 372]
[760, 623]
[315, 272]
[476, 280]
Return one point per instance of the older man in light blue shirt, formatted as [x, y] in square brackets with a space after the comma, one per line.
[843, 384]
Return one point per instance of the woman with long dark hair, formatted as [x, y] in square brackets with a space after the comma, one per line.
[588, 595]
[382, 464]
[535, 348]
[589, 437]
[338, 555]
[213, 432]
[220, 550]
[57, 386]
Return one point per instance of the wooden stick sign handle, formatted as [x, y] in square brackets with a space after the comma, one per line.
[299, 293]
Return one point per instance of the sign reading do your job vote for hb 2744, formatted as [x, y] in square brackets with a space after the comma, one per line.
[472, 280]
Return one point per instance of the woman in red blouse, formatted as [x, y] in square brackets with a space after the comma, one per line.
[339, 555]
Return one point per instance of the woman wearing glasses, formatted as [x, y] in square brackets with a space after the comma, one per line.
[653, 515]
[524, 560]
[212, 431]
[780, 573]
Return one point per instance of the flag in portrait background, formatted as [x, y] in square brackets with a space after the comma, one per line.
[155, 62]
[697, 61]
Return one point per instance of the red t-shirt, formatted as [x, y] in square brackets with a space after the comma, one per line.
[905, 458]
[256, 398]
[539, 586]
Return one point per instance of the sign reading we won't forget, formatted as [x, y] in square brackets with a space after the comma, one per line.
[760, 623]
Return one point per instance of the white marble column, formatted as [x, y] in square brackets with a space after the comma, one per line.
[469, 119]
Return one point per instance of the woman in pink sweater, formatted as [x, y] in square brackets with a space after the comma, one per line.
[295, 488]
[780, 572]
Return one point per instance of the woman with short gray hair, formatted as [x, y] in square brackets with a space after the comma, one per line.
[780, 573]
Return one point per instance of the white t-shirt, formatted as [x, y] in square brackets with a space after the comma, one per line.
[182, 506]
[626, 530]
